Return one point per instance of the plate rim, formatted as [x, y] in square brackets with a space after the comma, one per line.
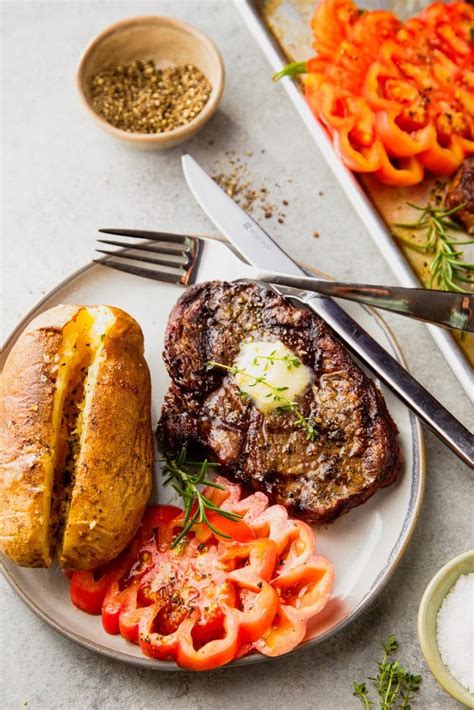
[419, 467]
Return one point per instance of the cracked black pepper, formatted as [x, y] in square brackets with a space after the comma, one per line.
[139, 98]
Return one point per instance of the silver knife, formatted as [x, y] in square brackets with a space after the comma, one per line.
[259, 249]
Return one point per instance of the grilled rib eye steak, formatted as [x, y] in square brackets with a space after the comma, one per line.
[461, 192]
[356, 450]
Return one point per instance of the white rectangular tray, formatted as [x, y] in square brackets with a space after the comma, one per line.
[376, 227]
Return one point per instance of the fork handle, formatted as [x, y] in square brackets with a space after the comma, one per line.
[451, 310]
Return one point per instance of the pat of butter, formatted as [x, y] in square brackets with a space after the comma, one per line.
[278, 366]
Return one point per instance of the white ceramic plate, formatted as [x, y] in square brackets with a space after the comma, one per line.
[365, 545]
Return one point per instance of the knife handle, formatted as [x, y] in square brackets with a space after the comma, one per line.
[394, 375]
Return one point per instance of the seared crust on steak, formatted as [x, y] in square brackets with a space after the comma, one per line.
[356, 450]
[461, 192]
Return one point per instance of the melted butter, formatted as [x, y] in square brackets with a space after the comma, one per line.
[279, 366]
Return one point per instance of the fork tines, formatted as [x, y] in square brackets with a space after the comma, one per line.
[144, 234]
[177, 253]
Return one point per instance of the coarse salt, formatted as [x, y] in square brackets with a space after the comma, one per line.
[455, 631]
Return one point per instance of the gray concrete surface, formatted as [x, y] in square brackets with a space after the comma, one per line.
[63, 178]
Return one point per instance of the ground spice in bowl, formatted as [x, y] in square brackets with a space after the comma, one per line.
[139, 98]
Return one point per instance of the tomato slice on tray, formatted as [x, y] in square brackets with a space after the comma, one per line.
[215, 596]
[396, 98]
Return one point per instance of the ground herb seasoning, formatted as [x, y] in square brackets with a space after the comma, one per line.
[139, 98]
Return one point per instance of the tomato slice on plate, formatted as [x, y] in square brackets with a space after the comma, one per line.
[243, 584]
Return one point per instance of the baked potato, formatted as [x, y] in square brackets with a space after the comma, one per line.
[76, 449]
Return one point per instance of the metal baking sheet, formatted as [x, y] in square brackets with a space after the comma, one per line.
[281, 28]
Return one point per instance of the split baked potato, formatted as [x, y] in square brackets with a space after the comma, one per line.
[76, 449]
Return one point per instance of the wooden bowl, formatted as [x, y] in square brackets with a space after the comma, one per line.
[167, 42]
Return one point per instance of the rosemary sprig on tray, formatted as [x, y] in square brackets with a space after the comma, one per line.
[285, 404]
[186, 477]
[448, 269]
[394, 684]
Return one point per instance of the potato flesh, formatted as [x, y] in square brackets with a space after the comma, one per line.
[80, 355]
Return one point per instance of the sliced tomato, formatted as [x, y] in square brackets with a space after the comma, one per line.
[157, 516]
[88, 592]
[400, 142]
[88, 589]
[223, 529]
[130, 618]
[300, 549]
[216, 651]
[260, 557]
[362, 159]
[152, 643]
[442, 161]
[256, 617]
[157, 521]
[306, 587]
[388, 92]
[273, 523]
[227, 492]
[409, 171]
[117, 605]
[206, 601]
[287, 630]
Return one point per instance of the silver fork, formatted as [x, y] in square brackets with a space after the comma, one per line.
[180, 259]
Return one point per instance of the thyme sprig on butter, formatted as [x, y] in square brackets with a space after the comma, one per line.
[291, 361]
[186, 477]
[448, 269]
[394, 684]
[277, 394]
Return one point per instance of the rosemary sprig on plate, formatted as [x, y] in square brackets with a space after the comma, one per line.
[285, 404]
[186, 477]
[448, 269]
[394, 684]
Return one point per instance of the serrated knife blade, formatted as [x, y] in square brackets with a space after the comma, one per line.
[259, 249]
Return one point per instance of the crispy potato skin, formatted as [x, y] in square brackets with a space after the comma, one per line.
[113, 473]
[27, 387]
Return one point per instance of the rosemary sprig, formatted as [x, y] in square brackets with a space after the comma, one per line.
[285, 404]
[394, 684]
[448, 269]
[185, 477]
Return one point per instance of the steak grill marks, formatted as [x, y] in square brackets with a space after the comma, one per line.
[356, 451]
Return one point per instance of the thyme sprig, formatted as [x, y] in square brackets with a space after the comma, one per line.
[285, 404]
[291, 361]
[448, 269]
[394, 684]
[185, 477]
[361, 692]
